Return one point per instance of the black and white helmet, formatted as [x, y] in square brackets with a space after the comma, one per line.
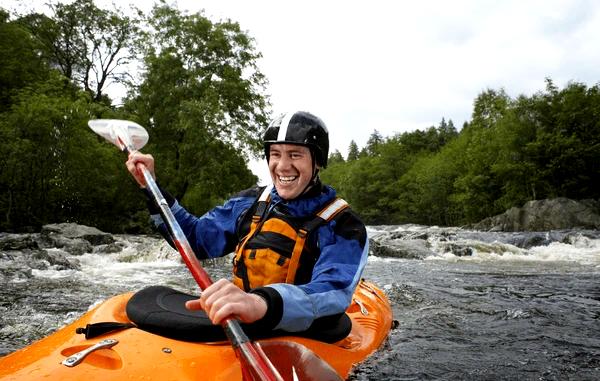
[300, 128]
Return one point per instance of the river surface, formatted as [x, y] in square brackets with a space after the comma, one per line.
[503, 312]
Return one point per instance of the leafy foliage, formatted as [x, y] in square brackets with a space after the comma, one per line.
[353, 152]
[200, 97]
[512, 151]
[20, 61]
[88, 45]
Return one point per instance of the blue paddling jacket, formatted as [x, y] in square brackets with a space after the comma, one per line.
[326, 277]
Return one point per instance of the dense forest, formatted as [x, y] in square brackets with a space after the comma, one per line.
[198, 92]
[195, 85]
[511, 151]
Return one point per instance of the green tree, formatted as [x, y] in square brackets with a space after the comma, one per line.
[89, 45]
[374, 143]
[426, 189]
[20, 61]
[335, 157]
[476, 189]
[512, 151]
[489, 107]
[352, 151]
[52, 167]
[566, 144]
[446, 132]
[201, 98]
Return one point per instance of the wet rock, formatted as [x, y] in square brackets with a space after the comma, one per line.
[398, 248]
[409, 235]
[73, 238]
[56, 259]
[582, 238]
[544, 215]
[52, 248]
[6, 256]
[527, 241]
[75, 246]
[52, 232]
[11, 270]
[108, 249]
[17, 241]
[19, 264]
[460, 250]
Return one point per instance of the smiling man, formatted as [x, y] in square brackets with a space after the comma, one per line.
[291, 169]
[295, 152]
[299, 249]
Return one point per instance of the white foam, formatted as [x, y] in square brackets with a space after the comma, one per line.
[555, 252]
[107, 268]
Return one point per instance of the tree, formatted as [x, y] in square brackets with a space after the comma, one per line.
[20, 61]
[374, 143]
[352, 151]
[52, 166]
[446, 132]
[335, 157]
[201, 98]
[567, 140]
[89, 45]
[489, 107]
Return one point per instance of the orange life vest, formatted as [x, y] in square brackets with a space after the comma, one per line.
[270, 252]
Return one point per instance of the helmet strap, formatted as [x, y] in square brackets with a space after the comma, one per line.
[315, 174]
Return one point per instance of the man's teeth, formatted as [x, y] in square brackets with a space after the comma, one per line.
[287, 179]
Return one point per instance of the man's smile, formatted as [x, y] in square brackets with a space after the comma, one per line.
[287, 179]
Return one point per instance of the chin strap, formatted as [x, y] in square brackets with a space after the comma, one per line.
[315, 177]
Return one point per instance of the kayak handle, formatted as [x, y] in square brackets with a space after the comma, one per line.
[78, 357]
[363, 309]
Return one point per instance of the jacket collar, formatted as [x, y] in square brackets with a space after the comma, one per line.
[307, 204]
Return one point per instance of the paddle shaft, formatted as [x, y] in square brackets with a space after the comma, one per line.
[248, 352]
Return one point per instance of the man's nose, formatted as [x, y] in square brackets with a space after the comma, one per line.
[284, 161]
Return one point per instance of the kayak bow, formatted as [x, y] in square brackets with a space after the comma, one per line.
[142, 355]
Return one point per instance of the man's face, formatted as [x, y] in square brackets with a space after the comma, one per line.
[291, 169]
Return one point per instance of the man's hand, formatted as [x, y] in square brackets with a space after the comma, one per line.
[136, 158]
[223, 299]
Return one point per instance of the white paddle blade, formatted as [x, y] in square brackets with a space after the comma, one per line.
[122, 133]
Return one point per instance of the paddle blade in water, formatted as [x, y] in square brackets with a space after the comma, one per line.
[122, 133]
[296, 362]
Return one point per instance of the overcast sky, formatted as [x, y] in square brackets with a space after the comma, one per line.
[396, 66]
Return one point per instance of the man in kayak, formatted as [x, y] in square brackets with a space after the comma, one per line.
[299, 250]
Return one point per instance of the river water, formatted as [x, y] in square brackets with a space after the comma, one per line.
[510, 310]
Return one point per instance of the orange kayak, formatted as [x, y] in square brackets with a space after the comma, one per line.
[136, 354]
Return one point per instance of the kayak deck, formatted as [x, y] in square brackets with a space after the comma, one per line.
[141, 355]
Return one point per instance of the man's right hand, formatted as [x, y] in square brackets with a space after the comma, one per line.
[223, 299]
[136, 158]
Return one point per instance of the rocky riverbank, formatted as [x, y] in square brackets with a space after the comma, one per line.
[58, 246]
[544, 215]
[537, 223]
